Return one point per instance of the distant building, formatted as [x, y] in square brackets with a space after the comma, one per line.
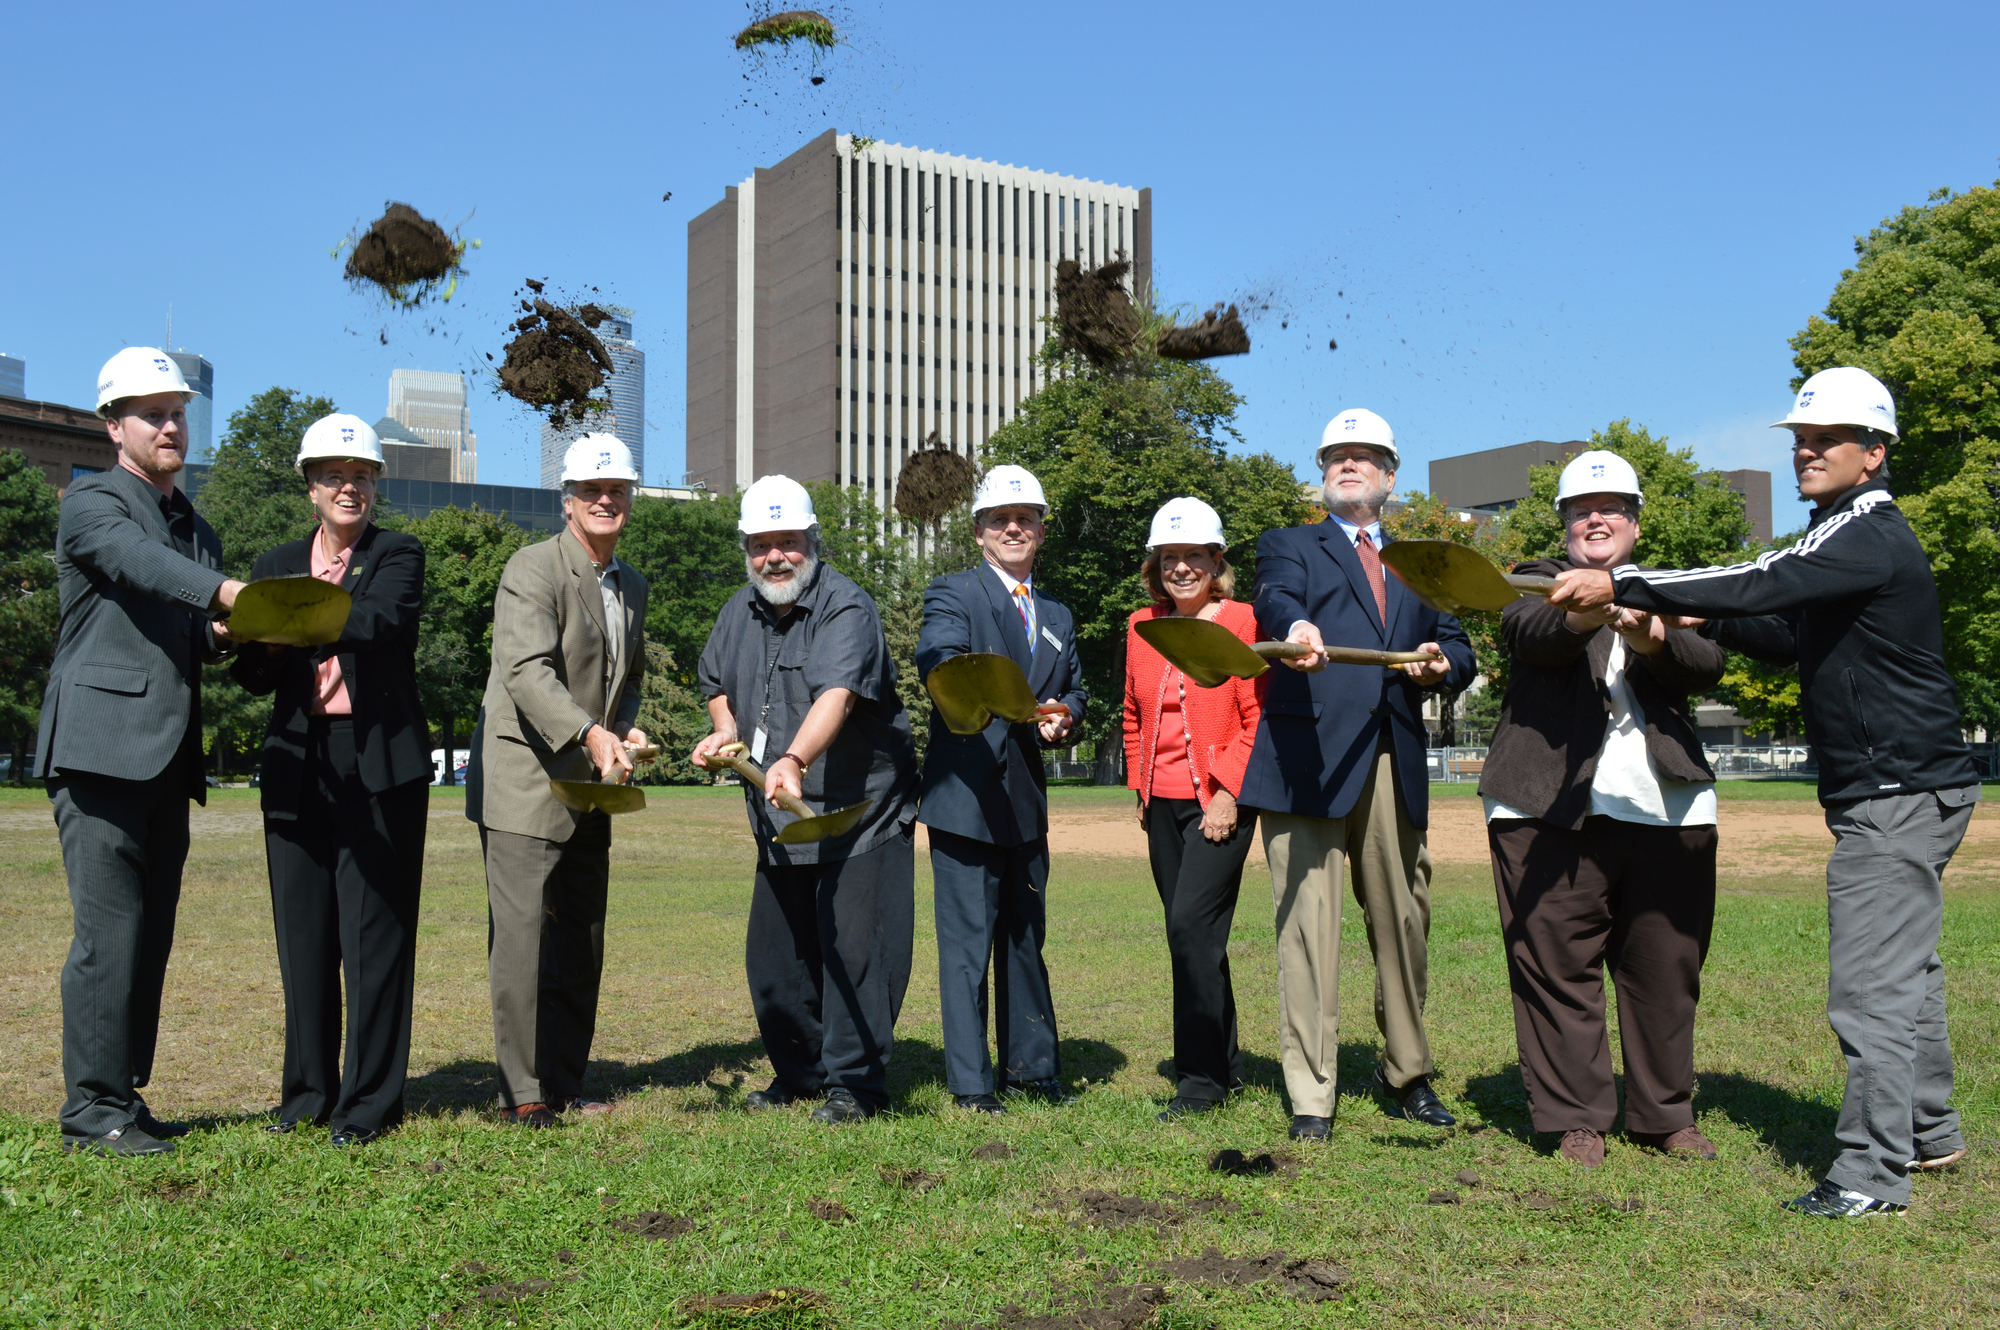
[1494, 480]
[200, 376]
[432, 405]
[624, 389]
[535, 510]
[408, 457]
[64, 441]
[858, 297]
[13, 377]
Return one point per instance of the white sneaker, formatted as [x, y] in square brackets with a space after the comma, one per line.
[1828, 1201]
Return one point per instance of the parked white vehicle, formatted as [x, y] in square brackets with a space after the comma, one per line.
[460, 757]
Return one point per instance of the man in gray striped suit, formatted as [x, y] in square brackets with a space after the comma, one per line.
[139, 575]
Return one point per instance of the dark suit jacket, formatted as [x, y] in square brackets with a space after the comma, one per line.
[125, 684]
[1544, 752]
[378, 662]
[990, 786]
[1316, 742]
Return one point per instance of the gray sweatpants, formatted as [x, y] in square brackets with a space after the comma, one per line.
[1885, 984]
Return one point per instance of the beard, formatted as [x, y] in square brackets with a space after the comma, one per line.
[786, 592]
[1373, 499]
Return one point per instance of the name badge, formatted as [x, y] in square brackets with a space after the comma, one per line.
[1052, 639]
[757, 746]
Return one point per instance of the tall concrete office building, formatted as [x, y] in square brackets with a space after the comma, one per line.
[200, 376]
[432, 405]
[849, 301]
[624, 389]
[13, 376]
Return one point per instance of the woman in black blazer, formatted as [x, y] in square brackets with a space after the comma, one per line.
[346, 788]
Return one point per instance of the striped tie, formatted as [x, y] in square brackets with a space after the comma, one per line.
[1021, 599]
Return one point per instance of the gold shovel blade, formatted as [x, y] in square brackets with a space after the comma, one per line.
[970, 690]
[590, 796]
[1449, 577]
[824, 827]
[292, 611]
[1206, 652]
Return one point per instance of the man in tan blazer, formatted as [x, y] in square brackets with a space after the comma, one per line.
[561, 702]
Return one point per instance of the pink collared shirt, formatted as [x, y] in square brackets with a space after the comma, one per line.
[330, 692]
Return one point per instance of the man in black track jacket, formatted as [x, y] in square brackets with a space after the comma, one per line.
[1854, 605]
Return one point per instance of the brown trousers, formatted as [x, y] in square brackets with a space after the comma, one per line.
[1638, 899]
[1392, 882]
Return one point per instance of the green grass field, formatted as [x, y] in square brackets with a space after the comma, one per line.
[460, 1220]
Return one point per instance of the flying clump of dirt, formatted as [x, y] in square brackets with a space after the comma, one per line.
[406, 256]
[1218, 333]
[555, 361]
[1095, 313]
[935, 481]
[793, 25]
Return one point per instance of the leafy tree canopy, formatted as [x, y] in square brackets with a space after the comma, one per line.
[29, 510]
[464, 554]
[254, 498]
[1920, 310]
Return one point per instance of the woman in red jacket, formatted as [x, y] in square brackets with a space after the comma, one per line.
[1185, 750]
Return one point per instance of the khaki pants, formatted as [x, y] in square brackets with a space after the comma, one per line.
[1392, 882]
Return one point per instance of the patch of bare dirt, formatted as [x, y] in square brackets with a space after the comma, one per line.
[1234, 1163]
[1095, 313]
[405, 255]
[773, 1306]
[494, 1295]
[555, 361]
[994, 1150]
[1309, 1280]
[1107, 1306]
[655, 1225]
[833, 1212]
[1219, 332]
[1108, 1210]
[911, 1179]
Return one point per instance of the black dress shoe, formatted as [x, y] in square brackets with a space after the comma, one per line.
[981, 1103]
[282, 1127]
[841, 1106]
[1418, 1102]
[1050, 1090]
[158, 1130]
[347, 1136]
[1306, 1127]
[777, 1096]
[1184, 1107]
[125, 1142]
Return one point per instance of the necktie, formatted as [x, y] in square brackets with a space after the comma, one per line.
[1371, 563]
[1021, 597]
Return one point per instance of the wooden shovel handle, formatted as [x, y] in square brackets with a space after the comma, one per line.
[645, 754]
[1052, 709]
[1340, 655]
[731, 755]
[1281, 650]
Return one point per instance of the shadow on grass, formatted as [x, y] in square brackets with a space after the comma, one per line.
[1799, 1129]
[1257, 1071]
[1502, 1100]
[473, 1083]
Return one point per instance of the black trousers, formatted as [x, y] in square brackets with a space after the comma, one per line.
[1638, 900]
[992, 901]
[345, 877]
[828, 959]
[124, 843]
[1198, 880]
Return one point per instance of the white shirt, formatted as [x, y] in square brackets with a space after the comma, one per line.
[1627, 785]
[1021, 603]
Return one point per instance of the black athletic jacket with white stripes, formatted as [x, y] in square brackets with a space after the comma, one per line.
[1854, 605]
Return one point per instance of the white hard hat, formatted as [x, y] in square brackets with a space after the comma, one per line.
[339, 437]
[139, 371]
[1358, 425]
[1843, 396]
[1008, 484]
[1186, 521]
[776, 503]
[1598, 472]
[599, 457]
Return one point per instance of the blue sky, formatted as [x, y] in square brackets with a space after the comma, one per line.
[1518, 222]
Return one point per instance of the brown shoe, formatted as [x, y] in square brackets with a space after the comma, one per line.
[534, 1116]
[1583, 1146]
[1686, 1141]
[589, 1108]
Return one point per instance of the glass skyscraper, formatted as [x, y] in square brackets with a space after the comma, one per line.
[200, 376]
[432, 405]
[625, 389]
[13, 376]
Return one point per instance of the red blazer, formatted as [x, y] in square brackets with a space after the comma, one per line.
[1221, 722]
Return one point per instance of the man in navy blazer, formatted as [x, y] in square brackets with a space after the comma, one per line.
[985, 802]
[1338, 771]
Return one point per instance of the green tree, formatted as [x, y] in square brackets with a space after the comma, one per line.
[1423, 517]
[1691, 516]
[692, 560]
[464, 554]
[1920, 310]
[1109, 448]
[29, 610]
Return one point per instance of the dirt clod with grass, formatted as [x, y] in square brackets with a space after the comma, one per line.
[654, 1225]
[1094, 311]
[792, 25]
[994, 1150]
[935, 481]
[1308, 1279]
[795, 1307]
[1219, 332]
[405, 255]
[911, 1179]
[1234, 1163]
[833, 1212]
[555, 361]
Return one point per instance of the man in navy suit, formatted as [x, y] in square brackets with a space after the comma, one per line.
[1338, 770]
[985, 802]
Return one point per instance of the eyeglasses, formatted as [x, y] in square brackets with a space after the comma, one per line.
[1605, 511]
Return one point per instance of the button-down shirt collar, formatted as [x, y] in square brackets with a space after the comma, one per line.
[1374, 530]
